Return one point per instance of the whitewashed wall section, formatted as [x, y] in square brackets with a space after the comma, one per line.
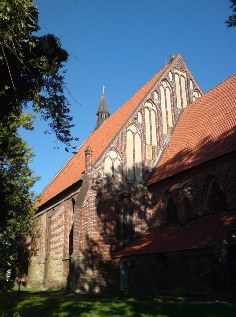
[113, 165]
[133, 154]
[141, 139]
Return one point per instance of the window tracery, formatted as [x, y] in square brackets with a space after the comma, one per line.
[150, 124]
[133, 154]
[112, 165]
[166, 108]
[181, 93]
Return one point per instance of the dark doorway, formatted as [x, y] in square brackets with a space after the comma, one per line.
[123, 276]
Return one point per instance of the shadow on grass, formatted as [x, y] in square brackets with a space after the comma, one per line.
[63, 304]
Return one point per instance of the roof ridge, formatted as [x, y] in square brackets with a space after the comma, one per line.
[228, 78]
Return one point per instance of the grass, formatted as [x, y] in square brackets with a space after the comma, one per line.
[61, 304]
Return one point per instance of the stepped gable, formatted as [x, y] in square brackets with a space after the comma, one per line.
[98, 141]
[205, 131]
[174, 238]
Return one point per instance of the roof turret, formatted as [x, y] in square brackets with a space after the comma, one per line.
[103, 111]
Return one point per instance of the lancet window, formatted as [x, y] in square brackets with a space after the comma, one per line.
[150, 124]
[133, 154]
[181, 94]
[112, 165]
[216, 201]
[166, 108]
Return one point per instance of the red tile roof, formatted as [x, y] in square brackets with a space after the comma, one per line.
[205, 130]
[201, 233]
[98, 141]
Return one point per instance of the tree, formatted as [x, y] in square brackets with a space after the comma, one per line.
[31, 69]
[232, 18]
[16, 214]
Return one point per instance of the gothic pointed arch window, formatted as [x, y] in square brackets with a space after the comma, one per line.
[112, 165]
[124, 219]
[171, 211]
[166, 106]
[181, 92]
[215, 196]
[150, 123]
[196, 94]
[133, 154]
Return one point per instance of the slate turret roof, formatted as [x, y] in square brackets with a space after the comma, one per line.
[103, 112]
[103, 107]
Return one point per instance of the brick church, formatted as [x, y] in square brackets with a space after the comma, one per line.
[147, 203]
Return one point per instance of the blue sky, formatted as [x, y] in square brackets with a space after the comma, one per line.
[122, 44]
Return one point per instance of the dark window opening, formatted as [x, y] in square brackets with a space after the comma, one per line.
[216, 201]
[124, 221]
[171, 211]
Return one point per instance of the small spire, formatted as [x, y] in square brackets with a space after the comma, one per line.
[103, 111]
[172, 57]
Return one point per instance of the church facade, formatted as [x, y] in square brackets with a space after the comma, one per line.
[148, 200]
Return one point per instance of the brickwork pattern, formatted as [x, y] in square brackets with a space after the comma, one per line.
[201, 272]
[77, 242]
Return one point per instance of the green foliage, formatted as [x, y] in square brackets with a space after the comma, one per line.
[31, 68]
[16, 211]
[232, 18]
[31, 75]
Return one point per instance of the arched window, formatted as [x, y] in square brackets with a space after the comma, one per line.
[112, 165]
[134, 154]
[216, 201]
[166, 109]
[124, 219]
[196, 94]
[150, 124]
[180, 86]
[140, 119]
[171, 211]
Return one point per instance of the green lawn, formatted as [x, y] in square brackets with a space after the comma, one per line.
[60, 304]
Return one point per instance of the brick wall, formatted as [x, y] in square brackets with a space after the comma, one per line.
[49, 267]
[190, 199]
[198, 272]
[203, 272]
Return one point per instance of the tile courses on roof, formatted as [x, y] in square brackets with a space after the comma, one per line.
[205, 131]
[98, 141]
[201, 233]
